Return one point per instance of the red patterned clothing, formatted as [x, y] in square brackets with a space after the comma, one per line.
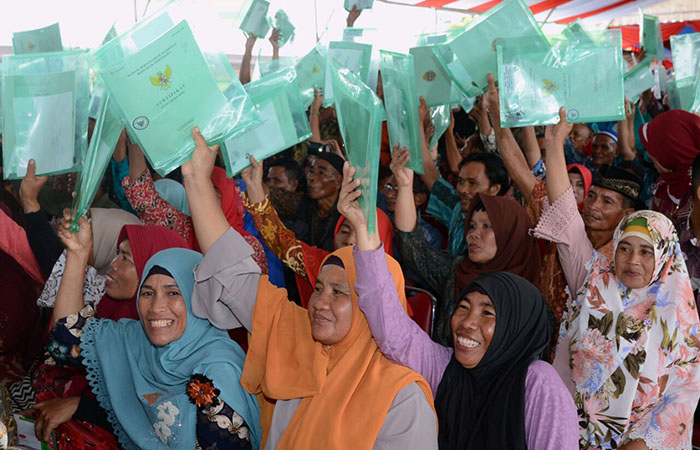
[153, 210]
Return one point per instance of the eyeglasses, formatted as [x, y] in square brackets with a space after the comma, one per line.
[390, 187]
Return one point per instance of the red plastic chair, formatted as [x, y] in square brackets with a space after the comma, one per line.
[423, 305]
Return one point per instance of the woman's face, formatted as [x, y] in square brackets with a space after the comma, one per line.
[122, 279]
[481, 239]
[576, 180]
[330, 306]
[473, 325]
[162, 309]
[634, 262]
[345, 236]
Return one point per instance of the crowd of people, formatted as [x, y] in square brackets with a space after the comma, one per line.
[265, 311]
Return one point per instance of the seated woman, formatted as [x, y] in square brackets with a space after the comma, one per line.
[332, 386]
[491, 392]
[61, 393]
[497, 240]
[628, 344]
[168, 380]
[305, 260]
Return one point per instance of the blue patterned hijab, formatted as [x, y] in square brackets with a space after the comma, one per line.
[143, 387]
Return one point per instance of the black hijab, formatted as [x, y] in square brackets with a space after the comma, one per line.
[484, 407]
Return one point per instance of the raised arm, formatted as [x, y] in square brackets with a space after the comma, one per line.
[226, 281]
[244, 75]
[315, 117]
[69, 299]
[398, 337]
[557, 175]
[431, 173]
[454, 157]
[353, 15]
[513, 158]
[405, 215]
[274, 37]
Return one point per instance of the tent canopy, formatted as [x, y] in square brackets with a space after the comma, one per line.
[560, 11]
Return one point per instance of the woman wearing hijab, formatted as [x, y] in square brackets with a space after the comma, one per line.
[333, 388]
[581, 180]
[60, 390]
[491, 391]
[496, 231]
[167, 379]
[300, 257]
[672, 141]
[627, 348]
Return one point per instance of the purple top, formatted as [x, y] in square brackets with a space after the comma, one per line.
[400, 339]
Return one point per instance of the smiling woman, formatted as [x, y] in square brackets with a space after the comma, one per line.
[164, 381]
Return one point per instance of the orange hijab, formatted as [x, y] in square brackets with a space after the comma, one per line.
[347, 390]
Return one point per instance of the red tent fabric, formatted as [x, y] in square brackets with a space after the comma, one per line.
[630, 33]
[560, 11]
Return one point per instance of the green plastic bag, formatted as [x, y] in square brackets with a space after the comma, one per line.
[575, 31]
[284, 28]
[96, 97]
[686, 55]
[255, 20]
[105, 135]
[352, 55]
[651, 38]
[695, 104]
[426, 39]
[638, 80]
[401, 105]
[311, 73]
[432, 81]
[585, 78]
[284, 122]
[681, 94]
[440, 117]
[41, 40]
[163, 91]
[471, 55]
[45, 112]
[361, 4]
[360, 114]
[275, 65]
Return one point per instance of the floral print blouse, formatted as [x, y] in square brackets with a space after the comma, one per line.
[218, 425]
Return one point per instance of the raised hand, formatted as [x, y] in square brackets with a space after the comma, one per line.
[250, 43]
[557, 134]
[353, 14]
[347, 198]
[402, 174]
[423, 112]
[274, 37]
[318, 101]
[253, 178]
[30, 187]
[491, 102]
[79, 243]
[201, 164]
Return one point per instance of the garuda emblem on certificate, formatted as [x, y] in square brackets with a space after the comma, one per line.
[163, 78]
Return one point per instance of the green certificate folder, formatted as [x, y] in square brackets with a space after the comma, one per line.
[360, 114]
[274, 65]
[686, 55]
[283, 122]
[638, 80]
[361, 4]
[680, 94]
[471, 55]
[650, 37]
[587, 79]
[47, 39]
[105, 135]
[45, 112]
[401, 105]
[311, 73]
[351, 55]
[575, 31]
[432, 81]
[163, 91]
[284, 28]
[255, 20]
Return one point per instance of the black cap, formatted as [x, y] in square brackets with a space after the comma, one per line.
[619, 180]
[332, 159]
